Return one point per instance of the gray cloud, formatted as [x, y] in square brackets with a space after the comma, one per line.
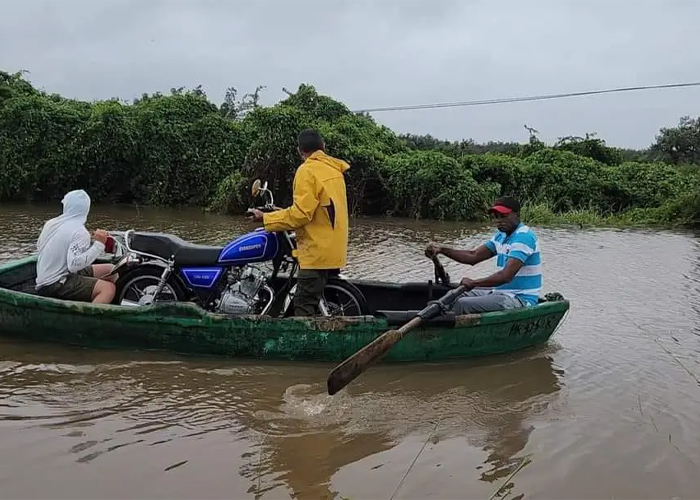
[380, 53]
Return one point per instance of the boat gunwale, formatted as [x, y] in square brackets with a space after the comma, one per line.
[176, 312]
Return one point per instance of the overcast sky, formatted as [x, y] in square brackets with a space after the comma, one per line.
[381, 53]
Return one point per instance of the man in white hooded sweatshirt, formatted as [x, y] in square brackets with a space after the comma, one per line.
[64, 267]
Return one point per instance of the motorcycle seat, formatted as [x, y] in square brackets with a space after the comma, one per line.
[168, 245]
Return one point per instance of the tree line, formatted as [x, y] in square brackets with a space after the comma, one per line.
[182, 149]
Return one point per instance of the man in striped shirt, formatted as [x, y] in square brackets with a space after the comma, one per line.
[518, 278]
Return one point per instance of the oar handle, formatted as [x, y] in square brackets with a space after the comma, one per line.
[436, 307]
[441, 275]
[452, 295]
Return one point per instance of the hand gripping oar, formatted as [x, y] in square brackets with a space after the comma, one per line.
[353, 366]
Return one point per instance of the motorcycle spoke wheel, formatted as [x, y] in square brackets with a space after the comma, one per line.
[140, 290]
[340, 302]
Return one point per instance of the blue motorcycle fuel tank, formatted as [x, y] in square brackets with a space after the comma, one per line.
[257, 246]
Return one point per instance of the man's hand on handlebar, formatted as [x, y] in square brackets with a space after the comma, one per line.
[100, 235]
[254, 215]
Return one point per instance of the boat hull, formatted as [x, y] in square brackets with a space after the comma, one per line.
[187, 329]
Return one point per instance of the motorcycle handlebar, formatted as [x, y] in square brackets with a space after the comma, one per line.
[265, 209]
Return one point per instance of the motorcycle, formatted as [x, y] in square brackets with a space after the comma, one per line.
[245, 276]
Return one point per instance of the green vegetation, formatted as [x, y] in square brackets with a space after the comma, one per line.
[181, 149]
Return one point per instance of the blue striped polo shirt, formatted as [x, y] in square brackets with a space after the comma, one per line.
[523, 245]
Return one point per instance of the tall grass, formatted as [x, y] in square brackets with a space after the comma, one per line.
[678, 213]
[541, 214]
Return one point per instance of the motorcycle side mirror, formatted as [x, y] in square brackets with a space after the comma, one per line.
[256, 188]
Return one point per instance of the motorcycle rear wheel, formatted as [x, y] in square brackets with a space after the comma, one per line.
[136, 287]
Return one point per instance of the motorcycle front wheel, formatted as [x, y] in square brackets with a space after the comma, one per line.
[344, 299]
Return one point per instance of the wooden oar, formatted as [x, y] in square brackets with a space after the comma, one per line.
[353, 366]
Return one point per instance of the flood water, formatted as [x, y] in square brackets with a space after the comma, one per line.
[610, 408]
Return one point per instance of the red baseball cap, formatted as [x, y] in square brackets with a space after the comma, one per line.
[505, 205]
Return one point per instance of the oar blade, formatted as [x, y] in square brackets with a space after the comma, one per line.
[352, 367]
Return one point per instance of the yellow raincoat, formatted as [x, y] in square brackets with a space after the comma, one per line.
[319, 213]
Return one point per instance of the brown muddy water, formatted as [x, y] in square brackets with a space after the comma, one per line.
[610, 408]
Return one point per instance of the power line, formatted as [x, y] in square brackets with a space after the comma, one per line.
[526, 98]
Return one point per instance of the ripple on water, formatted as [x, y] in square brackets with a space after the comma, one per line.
[609, 409]
[133, 403]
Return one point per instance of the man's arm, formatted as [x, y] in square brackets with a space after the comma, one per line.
[469, 257]
[303, 207]
[80, 253]
[498, 278]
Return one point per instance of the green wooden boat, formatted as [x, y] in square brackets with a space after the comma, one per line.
[187, 329]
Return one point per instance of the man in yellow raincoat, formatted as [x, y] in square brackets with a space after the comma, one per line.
[319, 216]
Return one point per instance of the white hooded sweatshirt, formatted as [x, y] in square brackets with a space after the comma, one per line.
[64, 243]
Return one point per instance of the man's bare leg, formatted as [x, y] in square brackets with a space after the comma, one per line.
[104, 291]
[100, 270]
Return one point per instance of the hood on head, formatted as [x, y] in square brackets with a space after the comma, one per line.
[340, 165]
[76, 204]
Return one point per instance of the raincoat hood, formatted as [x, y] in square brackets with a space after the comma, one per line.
[336, 163]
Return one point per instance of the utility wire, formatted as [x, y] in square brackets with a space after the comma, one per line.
[526, 98]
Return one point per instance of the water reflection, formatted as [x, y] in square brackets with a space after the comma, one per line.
[288, 437]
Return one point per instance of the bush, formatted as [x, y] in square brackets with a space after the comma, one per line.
[506, 171]
[645, 185]
[37, 140]
[232, 195]
[565, 179]
[431, 185]
[181, 149]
